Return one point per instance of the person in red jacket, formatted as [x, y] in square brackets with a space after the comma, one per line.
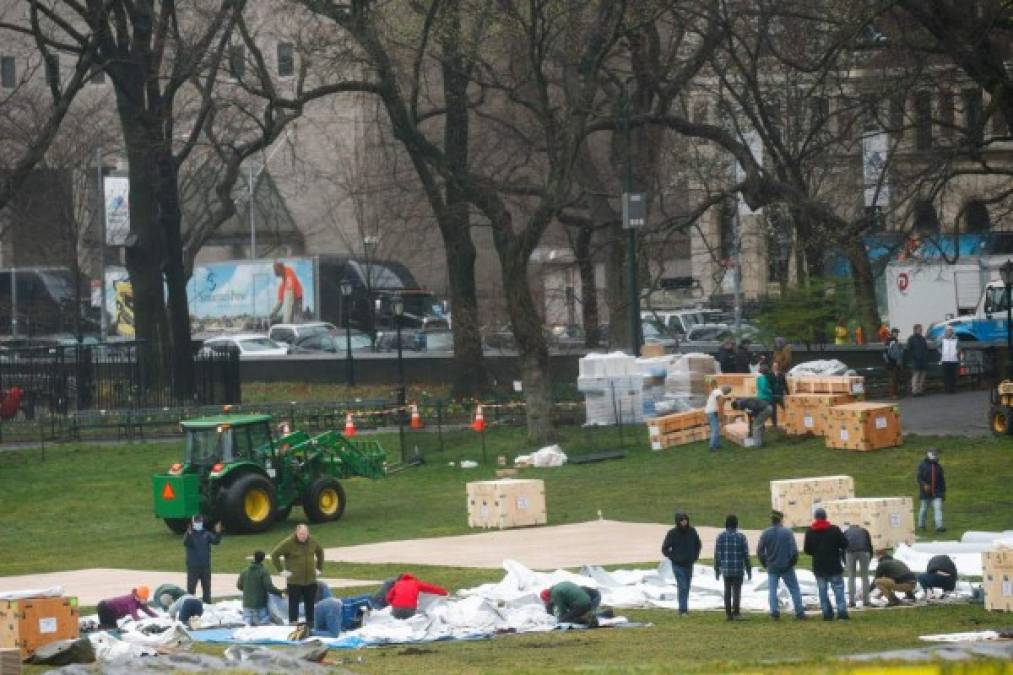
[403, 596]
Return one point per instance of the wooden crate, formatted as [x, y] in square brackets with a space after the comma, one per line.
[807, 414]
[889, 520]
[10, 662]
[737, 432]
[682, 437]
[743, 384]
[997, 580]
[827, 384]
[863, 426]
[666, 424]
[796, 498]
[30, 623]
[506, 503]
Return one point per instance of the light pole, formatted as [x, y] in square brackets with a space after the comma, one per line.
[397, 304]
[632, 218]
[346, 294]
[1006, 272]
[369, 243]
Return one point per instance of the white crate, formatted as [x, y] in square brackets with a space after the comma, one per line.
[797, 498]
[506, 503]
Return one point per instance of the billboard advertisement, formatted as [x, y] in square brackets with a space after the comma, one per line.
[231, 296]
[117, 197]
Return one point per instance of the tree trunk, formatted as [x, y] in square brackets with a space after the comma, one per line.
[534, 352]
[588, 287]
[616, 294]
[175, 277]
[865, 284]
[470, 375]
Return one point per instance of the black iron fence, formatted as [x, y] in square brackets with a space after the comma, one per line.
[61, 380]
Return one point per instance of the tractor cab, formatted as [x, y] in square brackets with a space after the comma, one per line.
[223, 440]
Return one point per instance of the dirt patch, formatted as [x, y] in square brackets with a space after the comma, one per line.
[415, 651]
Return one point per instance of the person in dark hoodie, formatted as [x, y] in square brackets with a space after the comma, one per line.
[827, 546]
[198, 542]
[778, 553]
[941, 573]
[731, 561]
[743, 357]
[255, 583]
[726, 356]
[931, 489]
[891, 576]
[682, 547]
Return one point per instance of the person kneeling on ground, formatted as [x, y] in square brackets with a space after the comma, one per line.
[682, 548]
[571, 603]
[327, 617]
[731, 561]
[403, 596]
[112, 610]
[892, 576]
[758, 411]
[941, 573]
[827, 546]
[185, 608]
[255, 583]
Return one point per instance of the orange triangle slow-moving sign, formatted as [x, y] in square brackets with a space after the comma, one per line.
[168, 494]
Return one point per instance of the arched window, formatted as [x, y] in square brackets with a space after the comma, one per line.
[926, 221]
[976, 218]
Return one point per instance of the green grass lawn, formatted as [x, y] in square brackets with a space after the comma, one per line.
[90, 506]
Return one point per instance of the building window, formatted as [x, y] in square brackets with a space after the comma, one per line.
[237, 61]
[946, 117]
[52, 69]
[925, 217]
[286, 59]
[973, 119]
[976, 218]
[923, 120]
[8, 75]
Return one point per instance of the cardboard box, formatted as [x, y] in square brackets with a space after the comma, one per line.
[997, 580]
[650, 351]
[808, 414]
[743, 384]
[827, 384]
[889, 520]
[797, 498]
[30, 623]
[506, 503]
[738, 433]
[863, 426]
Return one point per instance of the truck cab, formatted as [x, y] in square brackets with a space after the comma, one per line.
[987, 323]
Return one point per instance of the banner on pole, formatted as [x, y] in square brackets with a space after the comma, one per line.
[117, 198]
[875, 150]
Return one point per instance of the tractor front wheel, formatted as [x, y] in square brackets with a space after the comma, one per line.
[324, 500]
[177, 525]
[1000, 417]
[249, 504]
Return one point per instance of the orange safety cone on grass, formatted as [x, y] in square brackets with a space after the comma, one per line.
[416, 421]
[479, 423]
[349, 425]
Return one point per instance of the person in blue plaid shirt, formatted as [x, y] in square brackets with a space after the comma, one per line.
[731, 561]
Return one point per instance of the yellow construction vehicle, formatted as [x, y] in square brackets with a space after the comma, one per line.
[1000, 415]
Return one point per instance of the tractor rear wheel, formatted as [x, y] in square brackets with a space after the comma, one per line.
[177, 525]
[248, 504]
[324, 500]
[1000, 418]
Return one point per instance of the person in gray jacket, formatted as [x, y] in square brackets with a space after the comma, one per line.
[778, 553]
[857, 558]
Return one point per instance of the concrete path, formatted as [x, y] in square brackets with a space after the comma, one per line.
[598, 542]
[92, 585]
[962, 414]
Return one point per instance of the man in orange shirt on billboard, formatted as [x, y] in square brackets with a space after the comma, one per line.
[290, 297]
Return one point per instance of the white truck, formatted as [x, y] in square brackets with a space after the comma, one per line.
[967, 296]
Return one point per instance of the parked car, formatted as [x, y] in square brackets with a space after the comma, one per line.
[718, 332]
[290, 333]
[250, 346]
[434, 340]
[332, 342]
[386, 341]
[654, 334]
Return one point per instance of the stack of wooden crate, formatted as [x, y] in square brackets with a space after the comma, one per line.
[29, 623]
[506, 503]
[997, 580]
[743, 384]
[806, 414]
[827, 384]
[680, 428]
[863, 426]
[796, 498]
[889, 520]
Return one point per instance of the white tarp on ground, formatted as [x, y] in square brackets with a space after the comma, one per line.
[549, 456]
[627, 589]
[974, 536]
[966, 553]
[51, 592]
[825, 367]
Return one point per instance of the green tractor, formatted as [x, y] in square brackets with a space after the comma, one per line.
[237, 473]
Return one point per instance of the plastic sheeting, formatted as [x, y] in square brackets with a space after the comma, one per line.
[974, 536]
[968, 564]
[51, 592]
[548, 456]
[820, 367]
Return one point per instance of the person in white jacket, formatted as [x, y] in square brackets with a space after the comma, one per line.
[949, 358]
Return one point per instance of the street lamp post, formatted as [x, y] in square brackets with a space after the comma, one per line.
[632, 218]
[397, 304]
[1006, 272]
[346, 294]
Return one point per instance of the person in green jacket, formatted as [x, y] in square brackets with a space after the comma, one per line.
[304, 559]
[571, 603]
[255, 583]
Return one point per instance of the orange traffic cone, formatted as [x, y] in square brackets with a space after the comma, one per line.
[479, 423]
[416, 422]
[349, 425]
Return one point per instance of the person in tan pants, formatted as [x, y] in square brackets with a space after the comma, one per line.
[892, 577]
